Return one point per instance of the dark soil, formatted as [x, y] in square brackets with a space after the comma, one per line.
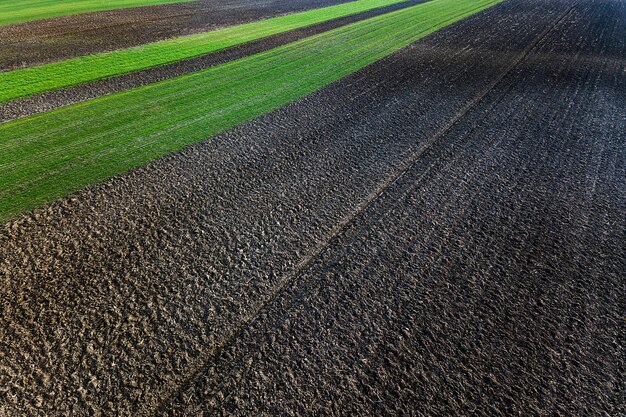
[41, 41]
[487, 280]
[324, 260]
[51, 100]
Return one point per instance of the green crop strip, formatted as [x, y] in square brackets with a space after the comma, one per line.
[24, 82]
[18, 11]
[53, 154]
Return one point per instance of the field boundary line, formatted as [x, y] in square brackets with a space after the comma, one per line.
[340, 227]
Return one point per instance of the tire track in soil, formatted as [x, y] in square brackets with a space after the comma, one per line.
[132, 283]
[44, 41]
[476, 162]
[345, 223]
[39, 103]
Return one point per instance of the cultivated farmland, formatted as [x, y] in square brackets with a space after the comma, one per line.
[29, 10]
[367, 208]
[93, 67]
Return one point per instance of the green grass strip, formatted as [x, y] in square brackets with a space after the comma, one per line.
[19, 11]
[24, 82]
[50, 155]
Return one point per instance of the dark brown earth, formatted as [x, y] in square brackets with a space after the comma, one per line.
[440, 233]
[487, 279]
[47, 101]
[42, 41]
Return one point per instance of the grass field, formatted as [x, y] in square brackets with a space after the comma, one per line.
[12, 11]
[52, 154]
[47, 77]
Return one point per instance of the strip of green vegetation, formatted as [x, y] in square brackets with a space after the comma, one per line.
[18, 11]
[57, 75]
[53, 154]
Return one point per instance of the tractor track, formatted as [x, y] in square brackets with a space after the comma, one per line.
[505, 193]
[345, 223]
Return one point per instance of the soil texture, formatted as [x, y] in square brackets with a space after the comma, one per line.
[440, 233]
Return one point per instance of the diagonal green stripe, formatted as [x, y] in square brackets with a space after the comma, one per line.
[52, 154]
[28, 81]
[18, 11]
